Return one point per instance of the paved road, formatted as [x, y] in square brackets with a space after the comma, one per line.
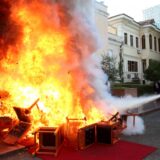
[151, 137]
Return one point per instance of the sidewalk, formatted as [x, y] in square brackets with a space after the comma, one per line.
[151, 136]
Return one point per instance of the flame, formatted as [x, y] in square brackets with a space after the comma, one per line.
[43, 64]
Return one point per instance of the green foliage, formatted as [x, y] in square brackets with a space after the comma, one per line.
[152, 73]
[108, 66]
[145, 89]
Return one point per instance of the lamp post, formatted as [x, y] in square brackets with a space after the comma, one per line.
[121, 62]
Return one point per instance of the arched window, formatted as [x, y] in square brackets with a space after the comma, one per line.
[143, 42]
[131, 40]
[150, 41]
[159, 44]
[125, 38]
[137, 43]
[155, 43]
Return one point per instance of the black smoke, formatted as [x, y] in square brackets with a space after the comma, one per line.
[10, 30]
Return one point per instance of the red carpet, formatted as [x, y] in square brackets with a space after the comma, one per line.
[122, 150]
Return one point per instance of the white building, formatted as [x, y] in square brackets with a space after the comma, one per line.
[153, 13]
[141, 42]
[101, 17]
[114, 43]
[138, 41]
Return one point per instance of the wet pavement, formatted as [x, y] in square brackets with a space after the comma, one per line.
[151, 137]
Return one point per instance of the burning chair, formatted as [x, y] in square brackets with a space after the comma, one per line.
[20, 129]
[78, 134]
[6, 124]
[108, 132]
[49, 140]
[86, 136]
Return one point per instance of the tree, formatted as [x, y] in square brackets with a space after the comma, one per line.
[108, 66]
[152, 73]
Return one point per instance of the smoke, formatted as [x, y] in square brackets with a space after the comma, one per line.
[133, 129]
[10, 30]
[106, 102]
[76, 19]
[84, 40]
[129, 102]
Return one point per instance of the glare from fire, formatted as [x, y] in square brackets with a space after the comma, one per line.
[43, 64]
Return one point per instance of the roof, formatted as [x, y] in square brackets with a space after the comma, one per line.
[118, 15]
[146, 22]
[125, 16]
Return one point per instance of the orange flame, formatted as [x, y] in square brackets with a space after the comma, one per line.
[43, 64]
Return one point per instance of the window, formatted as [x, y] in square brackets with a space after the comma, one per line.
[125, 38]
[143, 42]
[137, 42]
[150, 41]
[131, 40]
[159, 44]
[155, 44]
[132, 66]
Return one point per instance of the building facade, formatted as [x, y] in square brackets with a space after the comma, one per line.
[101, 18]
[140, 44]
[114, 44]
[137, 42]
[153, 13]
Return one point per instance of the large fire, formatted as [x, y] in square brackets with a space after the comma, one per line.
[45, 61]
